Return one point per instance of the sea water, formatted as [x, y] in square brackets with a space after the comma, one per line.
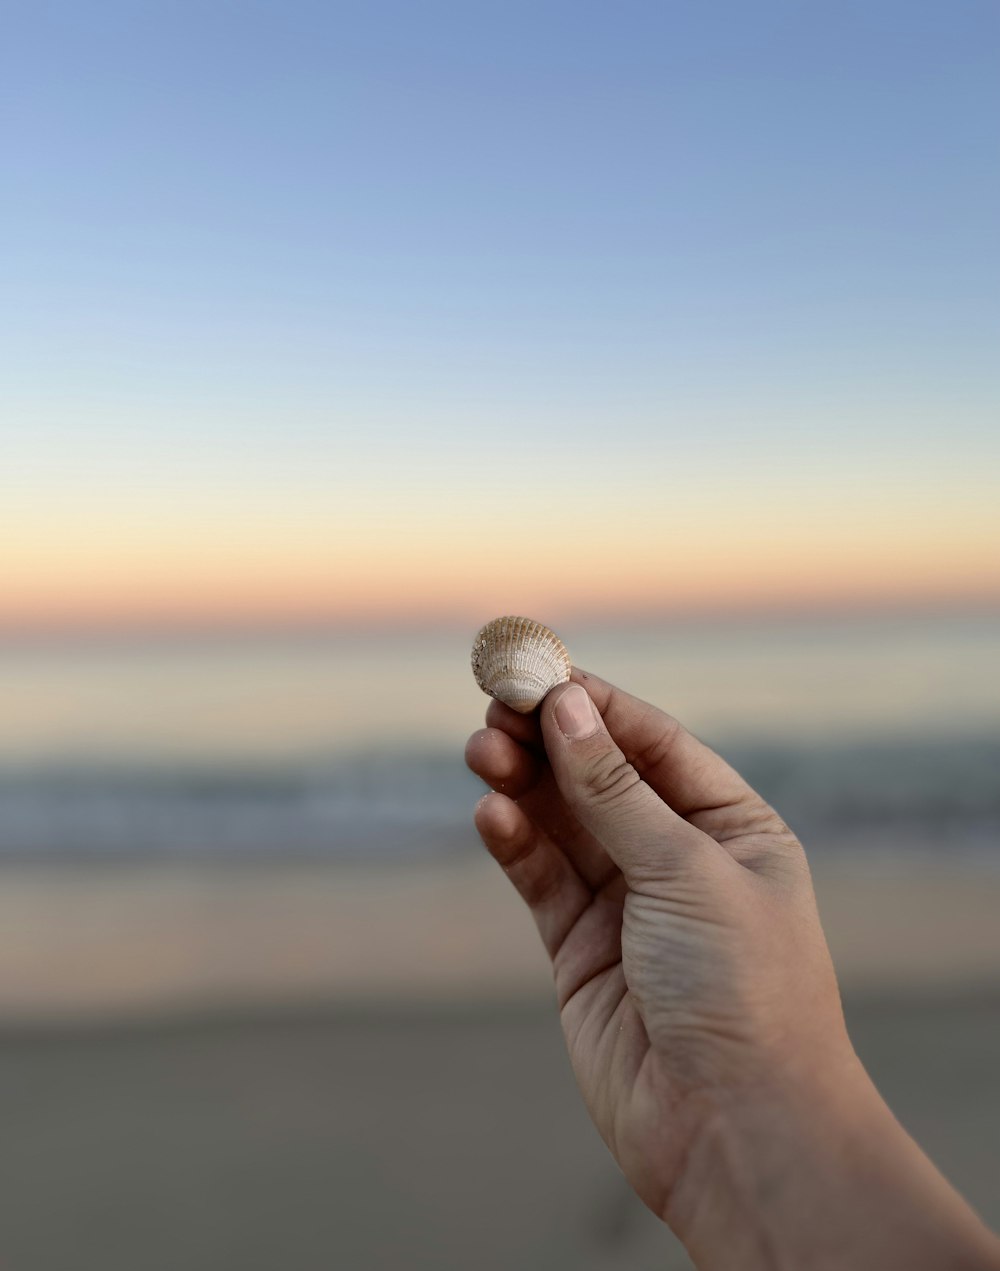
[867, 733]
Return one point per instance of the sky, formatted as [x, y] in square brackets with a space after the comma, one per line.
[406, 312]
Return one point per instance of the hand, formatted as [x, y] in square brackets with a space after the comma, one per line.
[696, 992]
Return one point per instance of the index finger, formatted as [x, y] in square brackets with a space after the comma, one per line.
[688, 775]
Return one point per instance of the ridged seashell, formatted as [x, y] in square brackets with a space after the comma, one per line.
[517, 661]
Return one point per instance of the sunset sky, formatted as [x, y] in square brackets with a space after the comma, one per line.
[419, 311]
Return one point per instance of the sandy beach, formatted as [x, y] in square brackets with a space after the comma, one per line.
[422, 1138]
[113, 939]
[247, 1067]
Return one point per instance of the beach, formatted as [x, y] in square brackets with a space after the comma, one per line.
[266, 1002]
[437, 1138]
[337, 332]
[112, 939]
[244, 1066]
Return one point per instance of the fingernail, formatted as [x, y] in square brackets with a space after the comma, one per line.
[576, 714]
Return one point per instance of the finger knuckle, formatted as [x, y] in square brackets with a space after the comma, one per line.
[611, 778]
[542, 884]
[657, 752]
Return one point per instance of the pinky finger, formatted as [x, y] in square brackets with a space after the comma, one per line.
[545, 880]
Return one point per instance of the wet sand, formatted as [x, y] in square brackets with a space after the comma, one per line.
[115, 939]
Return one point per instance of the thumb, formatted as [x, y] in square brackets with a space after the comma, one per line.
[642, 835]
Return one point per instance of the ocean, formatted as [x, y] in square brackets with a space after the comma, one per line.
[869, 734]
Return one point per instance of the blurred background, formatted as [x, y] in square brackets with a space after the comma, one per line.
[331, 331]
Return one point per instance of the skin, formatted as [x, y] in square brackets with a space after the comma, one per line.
[697, 996]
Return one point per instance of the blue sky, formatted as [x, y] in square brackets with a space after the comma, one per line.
[322, 239]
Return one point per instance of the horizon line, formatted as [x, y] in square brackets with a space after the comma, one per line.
[188, 627]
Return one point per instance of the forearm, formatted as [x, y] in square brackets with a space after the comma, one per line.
[820, 1176]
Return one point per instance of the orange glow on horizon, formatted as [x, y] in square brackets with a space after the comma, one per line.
[170, 595]
[354, 561]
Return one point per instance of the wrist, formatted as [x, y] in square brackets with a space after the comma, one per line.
[814, 1171]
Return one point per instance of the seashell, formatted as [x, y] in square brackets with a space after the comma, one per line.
[517, 661]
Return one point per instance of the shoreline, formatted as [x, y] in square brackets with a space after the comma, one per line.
[127, 939]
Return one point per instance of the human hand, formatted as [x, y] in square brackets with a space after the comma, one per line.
[697, 995]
